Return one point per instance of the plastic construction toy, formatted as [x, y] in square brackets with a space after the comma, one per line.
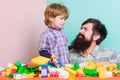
[118, 66]
[44, 71]
[90, 72]
[75, 66]
[55, 62]
[40, 60]
[72, 73]
[32, 67]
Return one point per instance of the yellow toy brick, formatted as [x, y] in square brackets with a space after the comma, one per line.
[14, 67]
[8, 71]
[72, 73]
[40, 60]
[91, 65]
[111, 67]
[31, 75]
[99, 65]
[102, 72]
[80, 71]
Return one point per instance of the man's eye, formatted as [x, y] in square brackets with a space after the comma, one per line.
[85, 28]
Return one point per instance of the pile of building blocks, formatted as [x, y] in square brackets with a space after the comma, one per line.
[43, 67]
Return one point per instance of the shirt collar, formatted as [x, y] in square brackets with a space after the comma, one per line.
[54, 28]
[81, 54]
[95, 51]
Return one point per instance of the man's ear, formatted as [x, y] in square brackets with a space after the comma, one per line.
[96, 37]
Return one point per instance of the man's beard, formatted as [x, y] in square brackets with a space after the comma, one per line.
[80, 43]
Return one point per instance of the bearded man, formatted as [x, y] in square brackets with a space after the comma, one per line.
[86, 46]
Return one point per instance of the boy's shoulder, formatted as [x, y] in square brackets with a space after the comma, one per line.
[46, 31]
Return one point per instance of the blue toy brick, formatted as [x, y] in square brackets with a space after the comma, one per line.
[44, 71]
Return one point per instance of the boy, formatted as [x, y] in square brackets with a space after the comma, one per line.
[53, 40]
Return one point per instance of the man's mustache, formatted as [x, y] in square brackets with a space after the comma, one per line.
[80, 36]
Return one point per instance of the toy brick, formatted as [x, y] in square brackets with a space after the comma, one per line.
[80, 75]
[90, 72]
[118, 66]
[13, 71]
[20, 69]
[18, 63]
[117, 75]
[72, 73]
[26, 70]
[40, 60]
[11, 75]
[44, 71]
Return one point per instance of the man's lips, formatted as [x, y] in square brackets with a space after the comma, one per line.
[80, 36]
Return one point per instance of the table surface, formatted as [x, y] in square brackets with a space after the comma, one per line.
[54, 78]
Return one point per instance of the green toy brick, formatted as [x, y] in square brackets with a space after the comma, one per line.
[118, 66]
[20, 69]
[76, 66]
[90, 72]
[10, 75]
[18, 63]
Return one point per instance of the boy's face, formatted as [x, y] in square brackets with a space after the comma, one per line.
[58, 22]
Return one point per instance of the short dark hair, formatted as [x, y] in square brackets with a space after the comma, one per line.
[98, 27]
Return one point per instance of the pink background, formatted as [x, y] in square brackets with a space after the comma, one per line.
[21, 22]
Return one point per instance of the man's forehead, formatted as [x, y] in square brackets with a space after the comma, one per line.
[88, 25]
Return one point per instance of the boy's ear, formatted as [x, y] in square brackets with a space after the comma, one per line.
[51, 18]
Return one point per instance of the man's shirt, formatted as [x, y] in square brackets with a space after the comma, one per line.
[99, 54]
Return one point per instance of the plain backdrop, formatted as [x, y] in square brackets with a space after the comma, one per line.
[21, 22]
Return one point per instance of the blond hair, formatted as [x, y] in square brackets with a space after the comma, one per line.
[54, 10]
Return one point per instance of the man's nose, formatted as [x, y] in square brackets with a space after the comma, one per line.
[81, 31]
